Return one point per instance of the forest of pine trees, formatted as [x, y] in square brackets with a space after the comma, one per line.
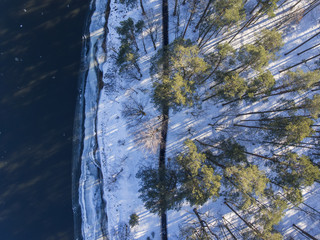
[257, 188]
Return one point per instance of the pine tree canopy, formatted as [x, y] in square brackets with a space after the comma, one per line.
[198, 181]
[186, 70]
[151, 189]
[292, 130]
[254, 56]
[271, 40]
[313, 106]
[248, 184]
[233, 86]
[229, 12]
[300, 80]
[262, 83]
[297, 171]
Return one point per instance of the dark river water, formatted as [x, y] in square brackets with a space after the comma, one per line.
[40, 47]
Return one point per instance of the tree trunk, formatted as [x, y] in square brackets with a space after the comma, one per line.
[308, 49]
[250, 225]
[134, 40]
[258, 120]
[244, 26]
[269, 111]
[190, 18]
[295, 4]
[209, 29]
[175, 7]
[245, 126]
[303, 61]
[304, 232]
[153, 41]
[204, 224]
[203, 14]
[205, 34]
[212, 160]
[311, 208]
[267, 94]
[302, 43]
[138, 68]
[144, 45]
[280, 93]
[213, 71]
[200, 221]
[207, 98]
[310, 8]
[228, 229]
[252, 154]
[255, 7]
[302, 145]
[216, 33]
[142, 8]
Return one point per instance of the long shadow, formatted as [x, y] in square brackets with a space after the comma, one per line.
[164, 124]
[40, 47]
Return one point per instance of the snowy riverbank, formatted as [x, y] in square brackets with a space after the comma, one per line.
[113, 149]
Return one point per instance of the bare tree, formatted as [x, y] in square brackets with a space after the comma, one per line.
[148, 135]
[133, 110]
[152, 24]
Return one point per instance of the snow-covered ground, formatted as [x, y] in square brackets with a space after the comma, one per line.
[93, 217]
[120, 154]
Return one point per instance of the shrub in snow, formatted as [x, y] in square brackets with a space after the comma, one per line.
[134, 220]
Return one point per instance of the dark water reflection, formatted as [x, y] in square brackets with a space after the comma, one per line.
[40, 46]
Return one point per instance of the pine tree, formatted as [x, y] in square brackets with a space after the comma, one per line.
[296, 171]
[249, 59]
[233, 86]
[262, 83]
[128, 55]
[250, 190]
[221, 14]
[232, 152]
[248, 184]
[198, 180]
[271, 40]
[128, 31]
[313, 106]
[292, 130]
[232, 11]
[292, 174]
[129, 3]
[258, 55]
[186, 70]
[269, 6]
[128, 59]
[139, 27]
[253, 56]
[301, 81]
[225, 54]
[151, 190]
[269, 215]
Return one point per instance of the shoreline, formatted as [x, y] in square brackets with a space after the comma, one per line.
[87, 196]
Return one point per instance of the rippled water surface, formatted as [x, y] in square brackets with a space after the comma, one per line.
[40, 47]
